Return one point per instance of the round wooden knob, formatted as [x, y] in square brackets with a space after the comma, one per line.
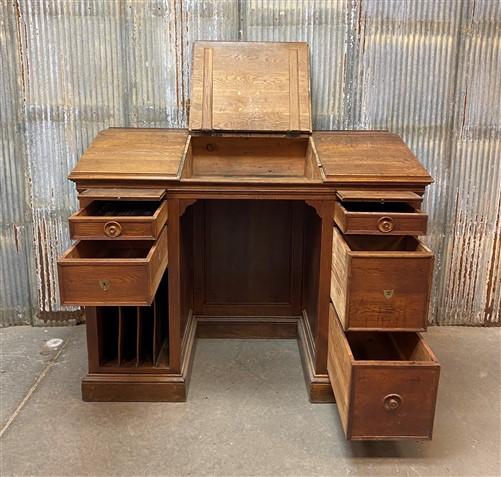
[392, 402]
[385, 224]
[112, 229]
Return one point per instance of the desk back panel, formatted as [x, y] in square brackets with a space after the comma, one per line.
[249, 258]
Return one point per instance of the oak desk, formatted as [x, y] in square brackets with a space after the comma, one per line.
[250, 225]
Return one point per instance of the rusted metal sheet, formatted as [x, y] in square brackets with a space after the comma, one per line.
[428, 70]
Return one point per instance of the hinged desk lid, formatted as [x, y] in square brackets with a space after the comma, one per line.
[250, 86]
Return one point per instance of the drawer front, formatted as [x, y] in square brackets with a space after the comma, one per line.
[88, 281]
[351, 218]
[381, 289]
[378, 398]
[88, 224]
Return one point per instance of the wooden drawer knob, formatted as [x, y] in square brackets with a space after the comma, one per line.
[392, 402]
[385, 224]
[112, 229]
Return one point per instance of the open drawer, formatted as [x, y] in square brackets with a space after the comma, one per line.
[380, 213]
[96, 273]
[119, 220]
[381, 282]
[385, 384]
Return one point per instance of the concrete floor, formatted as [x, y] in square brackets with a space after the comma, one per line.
[236, 421]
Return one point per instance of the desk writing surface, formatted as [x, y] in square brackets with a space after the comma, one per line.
[133, 153]
[371, 157]
[347, 157]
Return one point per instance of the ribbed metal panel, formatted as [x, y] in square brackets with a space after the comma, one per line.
[15, 230]
[323, 24]
[470, 287]
[428, 70]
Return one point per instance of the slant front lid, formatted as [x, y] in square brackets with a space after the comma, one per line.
[250, 86]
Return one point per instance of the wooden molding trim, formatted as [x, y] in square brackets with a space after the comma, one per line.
[319, 385]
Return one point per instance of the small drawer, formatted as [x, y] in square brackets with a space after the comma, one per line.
[381, 282]
[385, 383]
[380, 213]
[96, 273]
[119, 220]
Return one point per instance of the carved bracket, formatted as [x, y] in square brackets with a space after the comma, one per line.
[184, 204]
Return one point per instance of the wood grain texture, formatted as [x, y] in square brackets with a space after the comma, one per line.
[339, 367]
[89, 224]
[250, 158]
[131, 153]
[248, 258]
[255, 87]
[246, 327]
[369, 158]
[373, 218]
[123, 193]
[170, 386]
[381, 282]
[112, 273]
[385, 383]
[317, 383]
[357, 195]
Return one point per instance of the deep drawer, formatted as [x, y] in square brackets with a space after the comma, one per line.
[380, 213]
[95, 273]
[385, 384]
[381, 282]
[119, 220]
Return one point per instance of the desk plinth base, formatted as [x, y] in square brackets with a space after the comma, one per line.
[318, 385]
[116, 387]
[163, 387]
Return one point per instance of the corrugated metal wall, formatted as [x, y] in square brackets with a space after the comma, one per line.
[429, 70]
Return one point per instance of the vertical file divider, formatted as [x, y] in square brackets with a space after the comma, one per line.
[155, 332]
[138, 334]
[120, 341]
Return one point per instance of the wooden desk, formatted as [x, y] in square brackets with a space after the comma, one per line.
[185, 235]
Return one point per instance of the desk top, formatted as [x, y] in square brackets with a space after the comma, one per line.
[132, 153]
[344, 157]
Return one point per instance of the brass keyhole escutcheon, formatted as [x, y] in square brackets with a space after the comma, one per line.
[385, 224]
[112, 229]
[392, 402]
[388, 293]
[104, 284]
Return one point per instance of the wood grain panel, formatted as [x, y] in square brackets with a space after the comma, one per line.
[340, 280]
[132, 153]
[339, 367]
[385, 384]
[372, 218]
[381, 282]
[247, 262]
[86, 224]
[368, 158]
[252, 86]
[112, 273]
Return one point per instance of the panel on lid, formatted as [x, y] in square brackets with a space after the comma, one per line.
[368, 158]
[250, 86]
[133, 153]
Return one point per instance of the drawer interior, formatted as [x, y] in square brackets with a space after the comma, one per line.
[104, 249]
[385, 346]
[376, 243]
[118, 208]
[385, 207]
[250, 157]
